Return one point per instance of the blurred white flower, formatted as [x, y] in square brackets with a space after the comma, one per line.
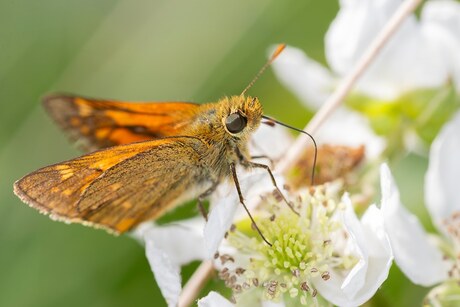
[423, 53]
[424, 261]
[441, 180]
[326, 250]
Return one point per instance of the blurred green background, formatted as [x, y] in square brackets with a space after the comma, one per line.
[137, 50]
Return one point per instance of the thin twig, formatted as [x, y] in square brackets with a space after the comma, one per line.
[205, 270]
[194, 285]
[336, 99]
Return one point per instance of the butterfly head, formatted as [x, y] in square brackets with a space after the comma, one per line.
[241, 115]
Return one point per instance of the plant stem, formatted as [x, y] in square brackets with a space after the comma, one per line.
[205, 270]
[194, 285]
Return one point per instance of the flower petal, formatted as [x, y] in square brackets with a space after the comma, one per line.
[380, 252]
[272, 304]
[441, 180]
[220, 218]
[355, 280]
[444, 12]
[183, 240]
[214, 299]
[413, 57]
[374, 251]
[307, 79]
[442, 20]
[411, 248]
[271, 141]
[167, 273]
[356, 24]
[167, 248]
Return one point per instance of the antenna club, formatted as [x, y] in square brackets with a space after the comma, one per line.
[277, 51]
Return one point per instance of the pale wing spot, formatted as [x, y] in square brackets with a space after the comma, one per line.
[66, 175]
[65, 171]
[125, 224]
[110, 161]
[83, 108]
[67, 192]
[61, 167]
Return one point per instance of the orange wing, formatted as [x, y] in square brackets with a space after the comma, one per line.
[96, 124]
[119, 187]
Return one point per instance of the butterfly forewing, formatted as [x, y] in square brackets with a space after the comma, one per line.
[96, 124]
[116, 188]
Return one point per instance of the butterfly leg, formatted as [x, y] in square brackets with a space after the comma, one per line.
[240, 195]
[202, 197]
[263, 157]
[267, 168]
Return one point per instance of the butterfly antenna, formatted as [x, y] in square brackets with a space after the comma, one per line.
[272, 121]
[275, 54]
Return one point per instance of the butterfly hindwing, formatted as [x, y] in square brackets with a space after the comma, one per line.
[116, 188]
[95, 124]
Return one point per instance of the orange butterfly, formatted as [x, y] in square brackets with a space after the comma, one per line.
[150, 158]
[121, 186]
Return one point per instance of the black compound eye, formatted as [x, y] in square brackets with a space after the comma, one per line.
[235, 122]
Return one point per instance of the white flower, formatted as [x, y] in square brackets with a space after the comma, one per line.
[420, 258]
[423, 53]
[326, 250]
